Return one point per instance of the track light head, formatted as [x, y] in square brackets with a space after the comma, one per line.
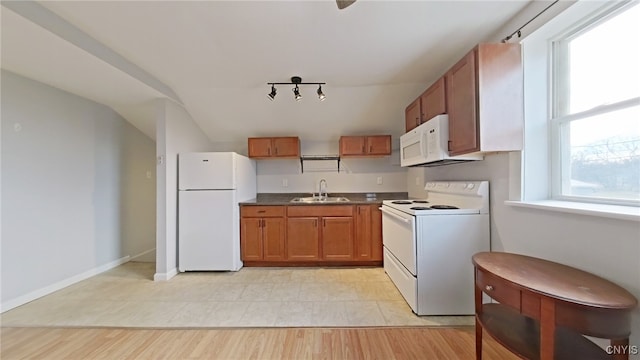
[272, 94]
[296, 93]
[321, 95]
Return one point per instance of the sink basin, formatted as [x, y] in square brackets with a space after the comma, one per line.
[329, 199]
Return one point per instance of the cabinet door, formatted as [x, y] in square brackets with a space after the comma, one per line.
[260, 147]
[368, 244]
[363, 233]
[461, 94]
[432, 101]
[378, 145]
[303, 239]
[337, 238]
[273, 239]
[412, 115]
[251, 239]
[352, 145]
[286, 147]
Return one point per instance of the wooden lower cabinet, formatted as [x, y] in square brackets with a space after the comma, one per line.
[263, 233]
[337, 238]
[368, 233]
[303, 239]
[308, 235]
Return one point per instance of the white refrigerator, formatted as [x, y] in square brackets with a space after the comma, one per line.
[210, 186]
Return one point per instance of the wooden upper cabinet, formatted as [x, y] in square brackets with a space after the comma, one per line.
[433, 100]
[485, 100]
[286, 146]
[412, 115]
[378, 145]
[276, 147]
[359, 146]
[463, 122]
[260, 147]
[352, 145]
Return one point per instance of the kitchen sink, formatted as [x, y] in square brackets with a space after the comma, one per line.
[328, 199]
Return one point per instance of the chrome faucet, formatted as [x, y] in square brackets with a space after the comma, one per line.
[321, 188]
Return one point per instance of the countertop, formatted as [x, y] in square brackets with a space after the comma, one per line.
[355, 198]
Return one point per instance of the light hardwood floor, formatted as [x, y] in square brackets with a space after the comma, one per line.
[282, 343]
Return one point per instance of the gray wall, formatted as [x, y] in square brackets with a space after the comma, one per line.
[78, 189]
[606, 247]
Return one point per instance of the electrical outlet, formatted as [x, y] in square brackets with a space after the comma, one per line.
[285, 182]
[379, 180]
[17, 127]
[148, 174]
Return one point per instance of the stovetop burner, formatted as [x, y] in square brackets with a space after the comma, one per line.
[420, 202]
[401, 202]
[444, 207]
[420, 208]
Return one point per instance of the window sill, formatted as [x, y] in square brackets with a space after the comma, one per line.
[601, 210]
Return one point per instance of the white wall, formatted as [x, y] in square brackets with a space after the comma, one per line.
[176, 132]
[356, 174]
[76, 197]
[609, 248]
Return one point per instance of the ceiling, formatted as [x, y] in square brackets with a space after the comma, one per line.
[215, 57]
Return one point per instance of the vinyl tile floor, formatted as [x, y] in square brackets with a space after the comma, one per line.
[252, 297]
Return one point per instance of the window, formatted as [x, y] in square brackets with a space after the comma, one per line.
[595, 109]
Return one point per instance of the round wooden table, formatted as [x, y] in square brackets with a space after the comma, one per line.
[545, 308]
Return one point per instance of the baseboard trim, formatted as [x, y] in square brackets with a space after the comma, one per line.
[135, 257]
[21, 300]
[165, 276]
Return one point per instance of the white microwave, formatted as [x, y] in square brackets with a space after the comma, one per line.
[427, 145]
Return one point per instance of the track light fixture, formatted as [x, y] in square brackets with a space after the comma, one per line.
[296, 80]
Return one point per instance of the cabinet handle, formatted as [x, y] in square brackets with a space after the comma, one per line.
[261, 211]
[358, 210]
[276, 150]
[363, 149]
[268, 151]
[449, 145]
[489, 287]
[370, 148]
[324, 222]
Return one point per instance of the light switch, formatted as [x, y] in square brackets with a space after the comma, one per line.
[417, 181]
[285, 182]
[379, 180]
[17, 127]
[148, 174]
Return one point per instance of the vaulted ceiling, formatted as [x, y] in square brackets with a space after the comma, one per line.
[216, 57]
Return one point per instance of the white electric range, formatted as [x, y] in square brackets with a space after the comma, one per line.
[428, 244]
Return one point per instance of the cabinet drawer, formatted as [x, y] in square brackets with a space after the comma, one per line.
[321, 210]
[262, 211]
[498, 289]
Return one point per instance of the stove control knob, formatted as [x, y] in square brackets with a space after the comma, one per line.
[471, 186]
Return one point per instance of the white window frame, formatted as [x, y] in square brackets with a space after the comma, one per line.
[560, 155]
[530, 179]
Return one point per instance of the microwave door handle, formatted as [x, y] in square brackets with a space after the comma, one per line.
[394, 215]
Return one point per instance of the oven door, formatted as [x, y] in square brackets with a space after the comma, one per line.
[399, 236]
